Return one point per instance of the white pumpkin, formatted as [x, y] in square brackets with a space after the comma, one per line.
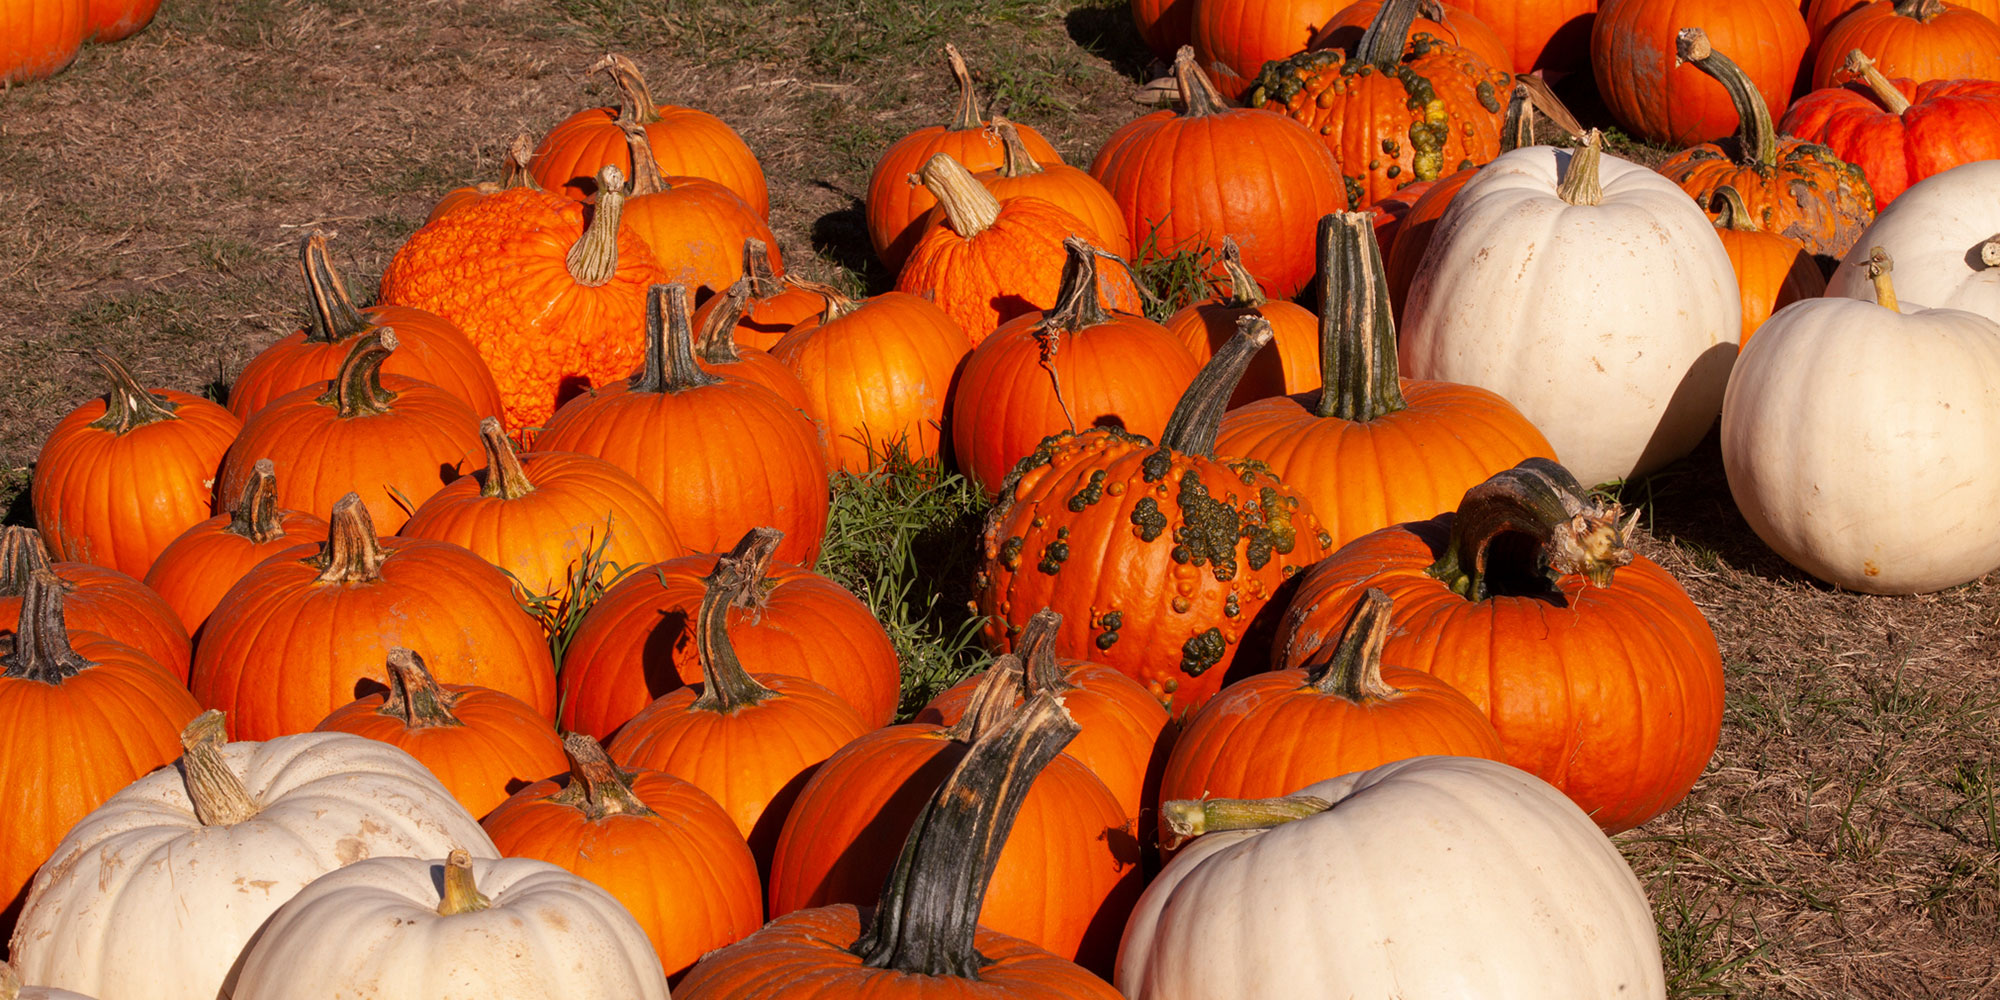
[1944, 235]
[1590, 292]
[11, 989]
[1434, 878]
[1862, 441]
[513, 929]
[154, 895]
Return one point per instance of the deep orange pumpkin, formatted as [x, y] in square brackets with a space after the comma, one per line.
[775, 305]
[1457, 27]
[1395, 108]
[1271, 734]
[637, 642]
[1166, 25]
[1822, 15]
[721, 455]
[1600, 674]
[1233, 39]
[196, 569]
[1290, 363]
[116, 20]
[686, 142]
[1065, 881]
[555, 306]
[90, 717]
[542, 517]
[897, 205]
[1550, 36]
[662, 846]
[1772, 272]
[39, 37]
[480, 743]
[397, 439]
[1246, 173]
[95, 600]
[1633, 52]
[1920, 40]
[513, 173]
[693, 226]
[1074, 367]
[431, 348]
[924, 940]
[877, 376]
[1896, 131]
[308, 629]
[1373, 449]
[751, 741]
[1794, 188]
[123, 475]
[1159, 558]
[1060, 184]
[717, 352]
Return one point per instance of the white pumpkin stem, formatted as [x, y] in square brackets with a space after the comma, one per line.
[1989, 251]
[461, 894]
[1352, 667]
[1879, 266]
[10, 983]
[968, 206]
[1582, 183]
[1182, 820]
[593, 259]
[218, 795]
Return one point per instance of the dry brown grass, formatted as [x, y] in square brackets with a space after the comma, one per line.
[1845, 842]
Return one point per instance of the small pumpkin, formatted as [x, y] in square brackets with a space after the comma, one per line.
[1772, 271]
[117, 20]
[1920, 40]
[1290, 364]
[97, 600]
[717, 352]
[513, 173]
[196, 569]
[1633, 54]
[773, 306]
[1897, 132]
[691, 224]
[123, 475]
[1066, 187]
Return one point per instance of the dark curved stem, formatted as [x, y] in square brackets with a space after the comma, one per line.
[1552, 527]
[635, 99]
[415, 696]
[1197, 417]
[22, 552]
[965, 116]
[1388, 34]
[504, 478]
[42, 650]
[128, 406]
[726, 686]
[1036, 646]
[1077, 306]
[333, 317]
[356, 389]
[670, 365]
[1756, 136]
[1357, 329]
[715, 342]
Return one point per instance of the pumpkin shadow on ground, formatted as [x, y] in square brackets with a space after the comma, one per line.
[1108, 33]
[1689, 505]
[841, 236]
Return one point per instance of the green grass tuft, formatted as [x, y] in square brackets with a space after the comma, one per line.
[1170, 282]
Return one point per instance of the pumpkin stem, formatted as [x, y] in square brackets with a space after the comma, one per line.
[10, 983]
[1989, 251]
[1756, 136]
[669, 365]
[992, 701]
[929, 909]
[503, 478]
[1077, 303]
[837, 302]
[753, 554]
[1036, 646]
[597, 787]
[593, 259]
[715, 342]
[1581, 183]
[1357, 329]
[1244, 291]
[1198, 95]
[726, 686]
[1196, 418]
[128, 406]
[1352, 668]
[256, 515]
[1182, 820]
[757, 269]
[42, 650]
[1541, 524]
[515, 172]
[1731, 212]
[966, 116]
[969, 208]
[1858, 64]
[351, 553]
[635, 99]
[217, 794]
[356, 389]
[461, 894]
[1381, 46]
[1518, 131]
[415, 696]
[1919, 10]
[22, 552]
[1879, 266]
[1018, 161]
[332, 316]
[646, 177]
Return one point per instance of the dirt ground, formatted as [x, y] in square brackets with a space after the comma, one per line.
[1845, 841]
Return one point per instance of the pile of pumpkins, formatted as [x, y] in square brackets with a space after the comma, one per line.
[475, 640]
[38, 38]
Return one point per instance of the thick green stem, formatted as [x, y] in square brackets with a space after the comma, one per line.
[966, 115]
[928, 913]
[1197, 417]
[1198, 96]
[1352, 667]
[42, 650]
[461, 894]
[332, 315]
[1756, 135]
[670, 358]
[503, 479]
[1731, 212]
[597, 788]
[1582, 183]
[351, 553]
[256, 515]
[1182, 820]
[356, 389]
[1525, 529]
[726, 686]
[415, 696]
[1381, 46]
[1518, 130]
[215, 792]
[1879, 266]
[128, 406]
[1357, 329]
[969, 208]
[593, 258]
[635, 99]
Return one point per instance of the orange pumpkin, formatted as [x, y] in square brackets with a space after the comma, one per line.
[123, 475]
[1060, 184]
[480, 743]
[774, 306]
[1289, 364]
[660, 845]
[1772, 271]
[1372, 449]
[1919, 40]
[686, 142]
[693, 226]
[1234, 39]
[38, 38]
[116, 20]
[308, 629]
[717, 352]
[196, 569]
[1550, 36]
[1633, 53]
[1457, 27]
[101, 601]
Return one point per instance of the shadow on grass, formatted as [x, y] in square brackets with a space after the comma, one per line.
[841, 236]
[1107, 32]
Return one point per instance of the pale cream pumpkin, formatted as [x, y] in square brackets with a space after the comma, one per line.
[511, 929]
[153, 895]
[1862, 439]
[1944, 235]
[11, 989]
[1433, 878]
[1590, 292]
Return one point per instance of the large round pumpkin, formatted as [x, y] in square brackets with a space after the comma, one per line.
[1944, 235]
[39, 37]
[1921, 40]
[1640, 77]
[1896, 131]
